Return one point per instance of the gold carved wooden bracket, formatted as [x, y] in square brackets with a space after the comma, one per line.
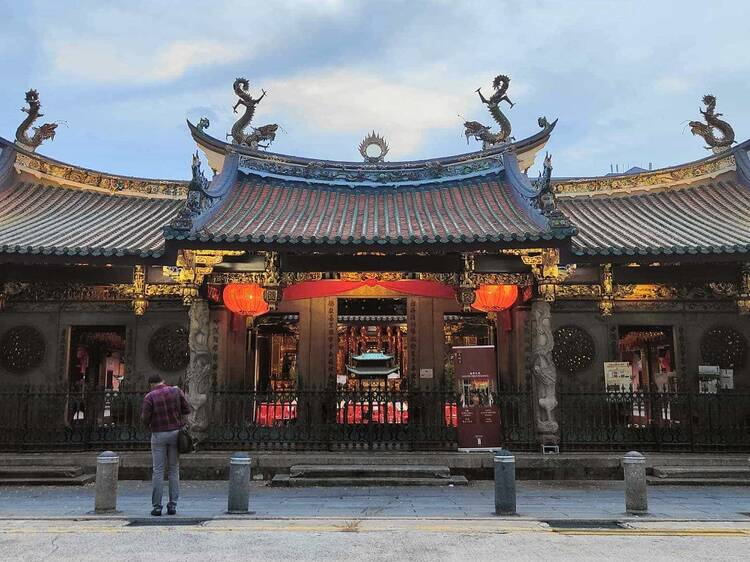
[193, 266]
[545, 266]
[607, 299]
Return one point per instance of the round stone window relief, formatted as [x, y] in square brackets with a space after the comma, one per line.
[21, 349]
[574, 349]
[168, 348]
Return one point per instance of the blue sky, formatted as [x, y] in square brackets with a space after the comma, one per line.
[623, 77]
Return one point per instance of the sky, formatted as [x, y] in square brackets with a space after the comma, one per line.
[623, 77]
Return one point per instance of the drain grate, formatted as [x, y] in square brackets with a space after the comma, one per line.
[165, 522]
[583, 524]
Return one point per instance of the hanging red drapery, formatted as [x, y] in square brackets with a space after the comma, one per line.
[327, 288]
[245, 299]
[497, 298]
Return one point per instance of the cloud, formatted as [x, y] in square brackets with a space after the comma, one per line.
[108, 63]
[351, 101]
[672, 85]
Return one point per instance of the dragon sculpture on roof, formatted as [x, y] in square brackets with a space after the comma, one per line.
[482, 132]
[41, 134]
[706, 130]
[265, 134]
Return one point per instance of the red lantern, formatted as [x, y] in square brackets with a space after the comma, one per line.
[245, 299]
[495, 298]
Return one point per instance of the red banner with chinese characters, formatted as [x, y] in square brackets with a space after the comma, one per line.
[327, 288]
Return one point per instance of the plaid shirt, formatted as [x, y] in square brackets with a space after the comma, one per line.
[163, 408]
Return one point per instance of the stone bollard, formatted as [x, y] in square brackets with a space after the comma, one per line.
[239, 483]
[505, 483]
[636, 493]
[107, 471]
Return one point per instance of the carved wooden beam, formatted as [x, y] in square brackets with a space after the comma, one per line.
[140, 302]
[606, 303]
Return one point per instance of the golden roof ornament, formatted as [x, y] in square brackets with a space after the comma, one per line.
[706, 130]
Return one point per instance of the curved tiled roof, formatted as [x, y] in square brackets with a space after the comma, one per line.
[51, 220]
[712, 216]
[479, 209]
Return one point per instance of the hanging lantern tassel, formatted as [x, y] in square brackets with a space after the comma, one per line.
[496, 298]
[245, 299]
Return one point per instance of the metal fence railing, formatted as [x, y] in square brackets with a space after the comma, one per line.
[56, 418]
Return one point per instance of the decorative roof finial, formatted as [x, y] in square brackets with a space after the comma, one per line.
[482, 132]
[266, 133]
[46, 131]
[705, 130]
[203, 124]
[374, 140]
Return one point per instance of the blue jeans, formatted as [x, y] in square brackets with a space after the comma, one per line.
[163, 449]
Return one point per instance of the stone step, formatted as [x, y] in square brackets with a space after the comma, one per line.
[285, 480]
[695, 472]
[402, 471]
[40, 471]
[653, 481]
[80, 480]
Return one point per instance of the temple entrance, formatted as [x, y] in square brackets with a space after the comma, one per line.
[96, 369]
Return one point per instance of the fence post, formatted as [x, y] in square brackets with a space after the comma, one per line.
[239, 483]
[636, 492]
[505, 483]
[107, 471]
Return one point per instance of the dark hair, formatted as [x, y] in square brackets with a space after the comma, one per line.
[155, 379]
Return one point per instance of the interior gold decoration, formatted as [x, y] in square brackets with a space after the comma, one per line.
[687, 291]
[272, 281]
[520, 279]
[467, 286]
[606, 304]
[226, 277]
[290, 278]
[373, 275]
[192, 266]
[140, 303]
[71, 175]
[743, 302]
[655, 179]
[578, 292]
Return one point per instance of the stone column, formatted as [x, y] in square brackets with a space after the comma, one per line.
[198, 376]
[543, 373]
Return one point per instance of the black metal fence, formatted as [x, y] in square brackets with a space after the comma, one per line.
[655, 421]
[55, 418]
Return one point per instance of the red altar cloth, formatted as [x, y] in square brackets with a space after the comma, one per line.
[327, 288]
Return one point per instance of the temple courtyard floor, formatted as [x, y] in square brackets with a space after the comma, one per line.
[581, 520]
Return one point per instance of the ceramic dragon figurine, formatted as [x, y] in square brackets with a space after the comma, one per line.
[482, 132]
[706, 130]
[46, 131]
[266, 133]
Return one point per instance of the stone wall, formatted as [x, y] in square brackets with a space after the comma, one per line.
[54, 321]
[688, 330]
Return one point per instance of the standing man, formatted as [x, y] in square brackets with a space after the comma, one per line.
[164, 411]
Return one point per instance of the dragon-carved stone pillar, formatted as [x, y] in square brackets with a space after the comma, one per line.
[198, 376]
[544, 373]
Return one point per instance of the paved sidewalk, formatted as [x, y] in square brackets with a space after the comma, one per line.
[536, 500]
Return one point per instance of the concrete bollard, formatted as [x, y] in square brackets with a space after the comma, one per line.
[505, 483]
[636, 493]
[239, 483]
[107, 471]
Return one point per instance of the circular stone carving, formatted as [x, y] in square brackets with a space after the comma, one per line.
[373, 148]
[168, 348]
[574, 349]
[723, 346]
[21, 349]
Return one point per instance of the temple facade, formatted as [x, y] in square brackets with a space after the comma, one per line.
[313, 304]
